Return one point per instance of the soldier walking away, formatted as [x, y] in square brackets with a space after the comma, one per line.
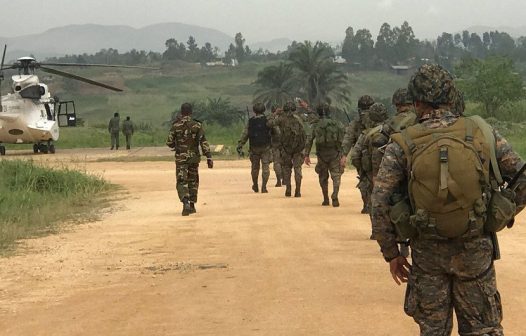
[185, 137]
[352, 133]
[361, 152]
[114, 128]
[328, 135]
[127, 130]
[292, 141]
[276, 153]
[450, 169]
[259, 136]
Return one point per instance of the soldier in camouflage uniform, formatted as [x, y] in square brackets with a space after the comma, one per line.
[127, 130]
[276, 154]
[186, 136]
[328, 134]
[447, 273]
[352, 133]
[292, 141]
[259, 136]
[360, 153]
[114, 128]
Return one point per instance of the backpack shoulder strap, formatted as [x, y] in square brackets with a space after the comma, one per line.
[487, 131]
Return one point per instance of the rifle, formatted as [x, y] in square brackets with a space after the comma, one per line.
[347, 115]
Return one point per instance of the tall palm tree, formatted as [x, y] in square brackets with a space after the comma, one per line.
[276, 84]
[318, 76]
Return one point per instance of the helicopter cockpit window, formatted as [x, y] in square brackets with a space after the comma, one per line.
[48, 112]
[32, 92]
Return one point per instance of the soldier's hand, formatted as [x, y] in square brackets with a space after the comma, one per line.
[210, 163]
[400, 268]
[307, 160]
[343, 161]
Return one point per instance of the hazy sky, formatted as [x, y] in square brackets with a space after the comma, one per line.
[261, 20]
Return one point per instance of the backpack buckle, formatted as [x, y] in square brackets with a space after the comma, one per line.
[443, 155]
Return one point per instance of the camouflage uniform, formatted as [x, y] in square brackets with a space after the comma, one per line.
[276, 156]
[127, 130]
[259, 156]
[360, 156]
[114, 129]
[328, 160]
[446, 273]
[291, 154]
[186, 135]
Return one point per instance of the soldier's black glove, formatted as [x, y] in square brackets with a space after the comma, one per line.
[210, 163]
[239, 150]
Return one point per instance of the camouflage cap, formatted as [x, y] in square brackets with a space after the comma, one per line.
[401, 97]
[431, 84]
[258, 108]
[323, 109]
[365, 102]
[289, 106]
[378, 112]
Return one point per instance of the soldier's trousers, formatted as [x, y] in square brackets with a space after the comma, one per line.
[289, 161]
[323, 168]
[454, 275]
[114, 139]
[276, 158]
[260, 157]
[364, 187]
[128, 140]
[187, 175]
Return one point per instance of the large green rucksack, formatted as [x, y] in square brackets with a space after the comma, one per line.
[449, 176]
[328, 133]
[292, 135]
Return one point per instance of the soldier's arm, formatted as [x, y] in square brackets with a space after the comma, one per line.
[347, 143]
[390, 176]
[170, 141]
[309, 143]
[510, 163]
[205, 146]
[356, 153]
[244, 137]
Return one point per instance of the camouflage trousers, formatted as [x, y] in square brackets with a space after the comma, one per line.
[325, 166]
[290, 161]
[128, 140]
[260, 157]
[276, 158]
[365, 188]
[187, 175]
[454, 275]
[114, 139]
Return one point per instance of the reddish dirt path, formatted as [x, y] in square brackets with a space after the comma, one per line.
[246, 264]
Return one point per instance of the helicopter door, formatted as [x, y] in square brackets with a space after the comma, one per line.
[66, 114]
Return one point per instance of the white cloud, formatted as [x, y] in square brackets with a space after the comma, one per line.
[385, 4]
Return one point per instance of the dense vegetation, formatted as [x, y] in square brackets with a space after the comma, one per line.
[33, 199]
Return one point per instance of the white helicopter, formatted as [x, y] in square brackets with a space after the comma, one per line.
[29, 114]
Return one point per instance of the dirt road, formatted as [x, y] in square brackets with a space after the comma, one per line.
[246, 264]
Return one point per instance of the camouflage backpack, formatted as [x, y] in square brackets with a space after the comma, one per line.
[292, 135]
[449, 176]
[328, 133]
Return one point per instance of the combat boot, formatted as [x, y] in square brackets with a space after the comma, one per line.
[187, 210]
[288, 191]
[192, 208]
[255, 183]
[264, 185]
[325, 192]
[278, 183]
[335, 202]
[255, 188]
[297, 192]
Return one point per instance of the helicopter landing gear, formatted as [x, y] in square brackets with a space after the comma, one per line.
[2, 150]
[51, 147]
[43, 148]
[35, 148]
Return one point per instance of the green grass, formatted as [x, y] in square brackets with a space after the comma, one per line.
[33, 199]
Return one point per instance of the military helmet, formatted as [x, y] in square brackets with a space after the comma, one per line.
[401, 97]
[431, 84]
[378, 112]
[289, 106]
[365, 102]
[258, 108]
[323, 109]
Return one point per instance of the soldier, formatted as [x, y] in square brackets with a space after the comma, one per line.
[259, 136]
[328, 134]
[352, 133]
[127, 130]
[186, 135]
[361, 152]
[451, 217]
[114, 129]
[276, 155]
[292, 141]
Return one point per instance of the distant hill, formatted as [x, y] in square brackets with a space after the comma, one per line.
[90, 38]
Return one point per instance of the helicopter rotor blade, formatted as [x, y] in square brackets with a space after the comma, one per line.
[100, 65]
[79, 78]
[3, 57]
